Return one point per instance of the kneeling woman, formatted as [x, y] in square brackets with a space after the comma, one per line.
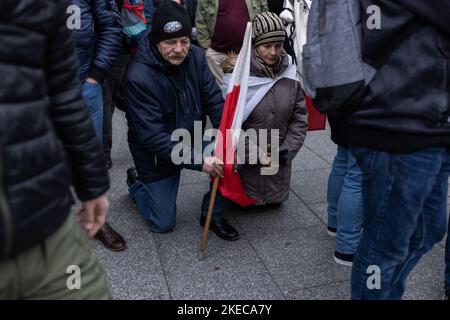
[278, 103]
[282, 108]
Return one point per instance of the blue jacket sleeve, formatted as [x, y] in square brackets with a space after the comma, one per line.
[108, 29]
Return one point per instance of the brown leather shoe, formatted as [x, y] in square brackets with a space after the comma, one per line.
[110, 238]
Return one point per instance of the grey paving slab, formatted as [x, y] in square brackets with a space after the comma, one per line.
[311, 185]
[306, 275]
[179, 252]
[320, 143]
[307, 160]
[333, 291]
[125, 217]
[291, 215]
[189, 201]
[135, 273]
[120, 152]
[288, 247]
[189, 177]
[327, 155]
[300, 258]
[240, 283]
[320, 210]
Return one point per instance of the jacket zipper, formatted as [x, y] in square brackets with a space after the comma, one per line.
[5, 215]
[156, 161]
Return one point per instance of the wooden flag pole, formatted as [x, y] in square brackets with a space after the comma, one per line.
[204, 238]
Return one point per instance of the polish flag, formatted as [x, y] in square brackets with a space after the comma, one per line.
[231, 186]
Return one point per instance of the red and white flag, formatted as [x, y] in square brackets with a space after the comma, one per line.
[231, 186]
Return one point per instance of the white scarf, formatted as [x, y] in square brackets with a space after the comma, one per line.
[258, 87]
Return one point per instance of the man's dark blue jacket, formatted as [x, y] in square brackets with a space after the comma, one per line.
[160, 98]
[406, 107]
[99, 39]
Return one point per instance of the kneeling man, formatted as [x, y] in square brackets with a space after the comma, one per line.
[169, 86]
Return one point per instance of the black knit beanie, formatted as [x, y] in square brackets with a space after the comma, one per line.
[170, 21]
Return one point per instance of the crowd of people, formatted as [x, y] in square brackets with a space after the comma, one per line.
[166, 65]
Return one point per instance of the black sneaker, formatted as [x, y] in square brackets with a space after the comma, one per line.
[132, 176]
[343, 259]
[331, 231]
[221, 228]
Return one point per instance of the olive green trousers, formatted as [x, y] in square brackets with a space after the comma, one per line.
[63, 266]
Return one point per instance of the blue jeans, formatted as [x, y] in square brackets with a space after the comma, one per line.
[405, 214]
[345, 205]
[157, 202]
[92, 93]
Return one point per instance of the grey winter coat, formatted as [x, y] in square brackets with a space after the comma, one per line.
[283, 108]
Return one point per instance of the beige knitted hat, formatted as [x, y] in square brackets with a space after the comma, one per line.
[267, 27]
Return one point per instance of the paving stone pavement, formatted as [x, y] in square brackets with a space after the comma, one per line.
[283, 253]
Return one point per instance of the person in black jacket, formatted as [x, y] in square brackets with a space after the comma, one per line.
[47, 144]
[168, 87]
[98, 43]
[400, 136]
